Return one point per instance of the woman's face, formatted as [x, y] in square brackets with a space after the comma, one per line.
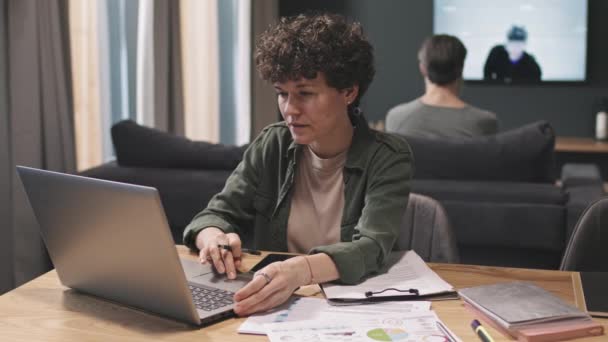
[314, 111]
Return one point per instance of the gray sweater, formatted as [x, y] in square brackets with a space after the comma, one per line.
[420, 120]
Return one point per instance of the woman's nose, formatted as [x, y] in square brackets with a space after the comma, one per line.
[290, 106]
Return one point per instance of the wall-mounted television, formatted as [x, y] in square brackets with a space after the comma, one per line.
[509, 41]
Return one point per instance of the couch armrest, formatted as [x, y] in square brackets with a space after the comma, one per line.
[583, 184]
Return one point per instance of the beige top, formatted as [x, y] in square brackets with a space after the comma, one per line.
[317, 203]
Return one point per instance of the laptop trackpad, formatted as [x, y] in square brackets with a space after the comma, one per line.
[203, 274]
[194, 268]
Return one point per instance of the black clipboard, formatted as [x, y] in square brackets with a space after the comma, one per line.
[451, 295]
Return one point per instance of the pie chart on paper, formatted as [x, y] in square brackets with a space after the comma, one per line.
[387, 334]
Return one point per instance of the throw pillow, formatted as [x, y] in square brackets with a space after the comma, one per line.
[140, 146]
[524, 154]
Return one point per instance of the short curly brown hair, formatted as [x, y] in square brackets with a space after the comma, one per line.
[303, 45]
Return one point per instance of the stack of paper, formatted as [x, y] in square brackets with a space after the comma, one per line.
[415, 326]
[311, 309]
[528, 312]
[312, 319]
[355, 317]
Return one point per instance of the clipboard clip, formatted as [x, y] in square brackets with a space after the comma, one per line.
[412, 293]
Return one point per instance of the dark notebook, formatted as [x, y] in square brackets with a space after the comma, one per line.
[529, 313]
[594, 294]
[518, 304]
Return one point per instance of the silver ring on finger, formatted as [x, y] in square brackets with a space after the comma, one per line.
[225, 247]
[266, 277]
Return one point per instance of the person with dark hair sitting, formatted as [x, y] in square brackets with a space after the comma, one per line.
[440, 112]
[320, 183]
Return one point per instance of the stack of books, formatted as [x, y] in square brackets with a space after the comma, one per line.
[526, 312]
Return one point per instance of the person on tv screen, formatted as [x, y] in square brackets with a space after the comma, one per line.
[321, 183]
[440, 112]
[511, 62]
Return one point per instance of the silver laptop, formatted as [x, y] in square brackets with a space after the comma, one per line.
[112, 240]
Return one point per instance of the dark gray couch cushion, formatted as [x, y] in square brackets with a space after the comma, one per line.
[511, 215]
[140, 146]
[524, 154]
[509, 257]
[492, 192]
[515, 225]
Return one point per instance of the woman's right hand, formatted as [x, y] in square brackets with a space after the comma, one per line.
[225, 260]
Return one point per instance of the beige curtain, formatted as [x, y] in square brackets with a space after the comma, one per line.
[168, 89]
[145, 63]
[243, 76]
[200, 56]
[84, 40]
[37, 124]
[160, 90]
[7, 269]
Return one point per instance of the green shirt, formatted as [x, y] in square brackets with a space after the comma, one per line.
[256, 199]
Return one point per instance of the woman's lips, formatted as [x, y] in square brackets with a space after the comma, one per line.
[297, 126]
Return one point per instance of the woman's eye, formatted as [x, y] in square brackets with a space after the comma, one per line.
[305, 93]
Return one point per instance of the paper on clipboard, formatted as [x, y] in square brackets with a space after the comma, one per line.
[404, 270]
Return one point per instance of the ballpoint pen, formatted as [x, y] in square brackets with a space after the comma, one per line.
[251, 251]
[244, 250]
[481, 332]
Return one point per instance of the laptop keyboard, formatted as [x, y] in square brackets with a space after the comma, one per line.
[209, 298]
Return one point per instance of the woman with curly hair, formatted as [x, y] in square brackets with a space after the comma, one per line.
[320, 183]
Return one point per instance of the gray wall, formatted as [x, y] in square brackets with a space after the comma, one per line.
[397, 27]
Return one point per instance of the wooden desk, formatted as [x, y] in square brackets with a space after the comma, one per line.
[580, 145]
[44, 310]
[581, 150]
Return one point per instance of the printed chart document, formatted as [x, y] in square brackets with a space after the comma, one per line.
[404, 271]
[414, 326]
[307, 309]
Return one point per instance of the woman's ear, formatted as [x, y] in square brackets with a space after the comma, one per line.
[351, 93]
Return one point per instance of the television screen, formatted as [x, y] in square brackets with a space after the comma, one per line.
[518, 40]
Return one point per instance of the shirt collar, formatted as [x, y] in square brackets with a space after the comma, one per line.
[356, 158]
[362, 138]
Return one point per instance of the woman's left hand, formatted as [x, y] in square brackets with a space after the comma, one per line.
[271, 286]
